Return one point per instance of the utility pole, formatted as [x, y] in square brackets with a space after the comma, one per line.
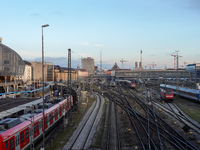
[32, 128]
[69, 82]
[101, 68]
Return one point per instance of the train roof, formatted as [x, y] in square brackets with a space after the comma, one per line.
[194, 91]
[12, 106]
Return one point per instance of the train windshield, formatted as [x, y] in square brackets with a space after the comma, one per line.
[169, 92]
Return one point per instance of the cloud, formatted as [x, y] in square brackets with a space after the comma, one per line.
[84, 43]
[152, 55]
[98, 45]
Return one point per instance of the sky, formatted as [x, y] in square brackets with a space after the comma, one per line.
[118, 29]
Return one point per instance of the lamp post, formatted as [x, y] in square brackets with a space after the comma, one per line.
[46, 25]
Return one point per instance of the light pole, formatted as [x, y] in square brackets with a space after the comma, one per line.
[46, 25]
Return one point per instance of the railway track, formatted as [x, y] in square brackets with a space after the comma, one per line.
[175, 112]
[83, 135]
[113, 138]
[152, 131]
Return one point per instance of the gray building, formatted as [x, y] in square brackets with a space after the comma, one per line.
[37, 71]
[88, 64]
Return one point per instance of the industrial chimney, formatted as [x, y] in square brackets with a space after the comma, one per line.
[140, 59]
[136, 65]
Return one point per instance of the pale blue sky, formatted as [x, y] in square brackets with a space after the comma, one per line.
[119, 28]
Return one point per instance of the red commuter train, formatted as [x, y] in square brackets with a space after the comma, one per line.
[130, 84]
[19, 138]
[167, 95]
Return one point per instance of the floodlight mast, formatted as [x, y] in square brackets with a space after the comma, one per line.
[46, 25]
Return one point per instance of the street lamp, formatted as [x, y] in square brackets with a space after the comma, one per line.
[46, 25]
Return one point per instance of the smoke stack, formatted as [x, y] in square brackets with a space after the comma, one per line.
[140, 59]
[0, 39]
[136, 65]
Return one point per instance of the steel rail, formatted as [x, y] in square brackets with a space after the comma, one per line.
[84, 144]
[179, 135]
[108, 130]
[149, 138]
[82, 126]
[117, 128]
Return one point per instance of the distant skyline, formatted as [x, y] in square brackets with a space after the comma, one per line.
[118, 28]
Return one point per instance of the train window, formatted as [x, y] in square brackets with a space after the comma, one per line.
[169, 93]
[27, 134]
[46, 120]
[34, 128]
[41, 124]
[22, 137]
[12, 144]
[37, 126]
[6, 144]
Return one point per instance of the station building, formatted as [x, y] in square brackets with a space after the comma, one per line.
[11, 66]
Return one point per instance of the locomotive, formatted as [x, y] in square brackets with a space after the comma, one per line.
[167, 95]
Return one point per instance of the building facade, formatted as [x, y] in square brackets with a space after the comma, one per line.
[88, 64]
[27, 73]
[37, 71]
[61, 74]
[194, 70]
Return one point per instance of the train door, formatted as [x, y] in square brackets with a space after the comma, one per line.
[9, 144]
[17, 144]
[56, 114]
[41, 126]
[36, 129]
[60, 111]
[45, 122]
[50, 118]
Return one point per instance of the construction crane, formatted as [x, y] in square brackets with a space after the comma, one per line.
[176, 60]
[123, 62]
[185, 63]
[153, 65]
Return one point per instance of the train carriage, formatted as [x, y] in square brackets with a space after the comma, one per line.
[18, 137]
[192, 94]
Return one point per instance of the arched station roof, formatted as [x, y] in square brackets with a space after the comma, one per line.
[11, 63]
